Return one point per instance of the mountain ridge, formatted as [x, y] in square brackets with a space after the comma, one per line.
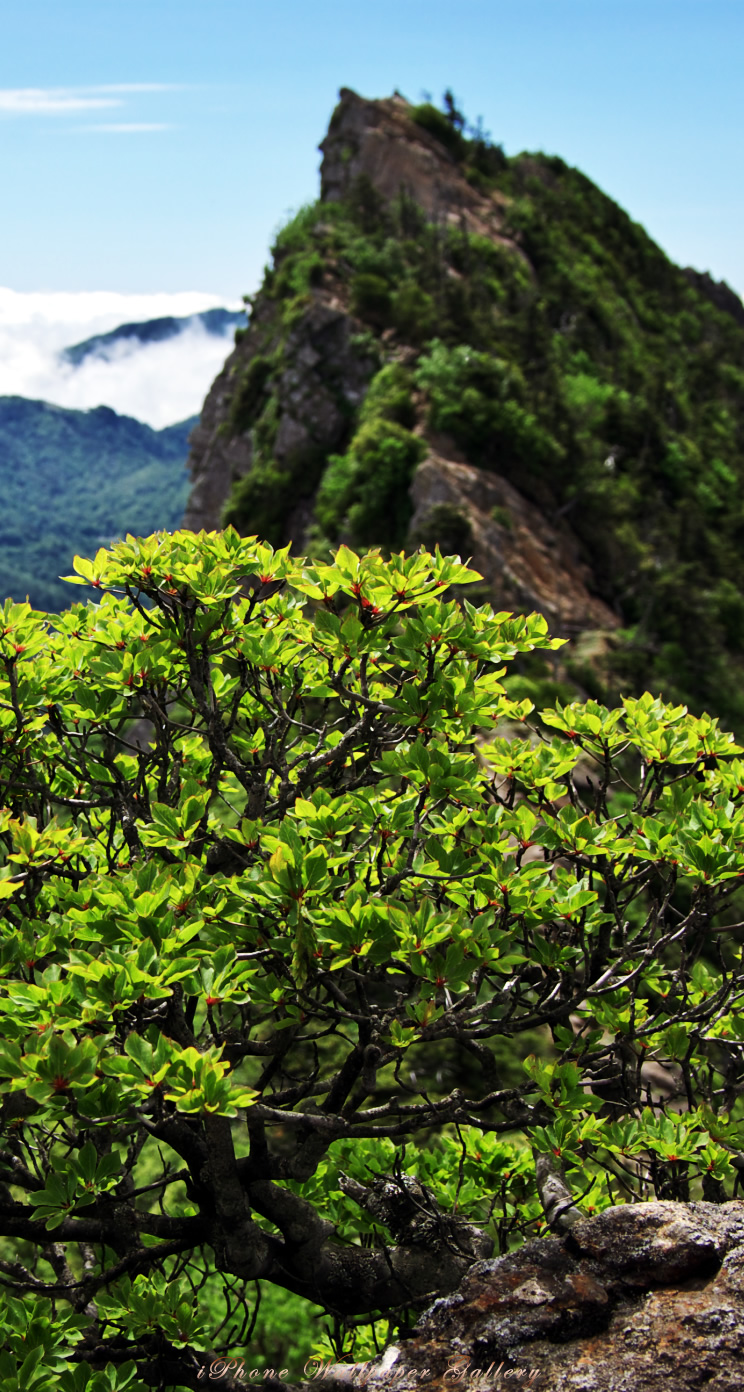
[104, 345]
[443, 308]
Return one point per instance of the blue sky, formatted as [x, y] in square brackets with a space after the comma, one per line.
[155, 145]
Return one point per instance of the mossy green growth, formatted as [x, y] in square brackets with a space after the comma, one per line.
[431, 119]
[478, 398]
[251, 395]
[413, 313]
[389, 397]
[260, 501]
[447, 527]
[371, 298]
[502, 517]
[364, 492]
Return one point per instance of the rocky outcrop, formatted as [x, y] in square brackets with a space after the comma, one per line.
[324, 379]
[528, 562]
[322, 383]
[214, 461]
[512, 304]
[378, 141]
[641, 1298]
[718, 292]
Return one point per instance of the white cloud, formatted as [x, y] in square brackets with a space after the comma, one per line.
[51, 101]
[129, 127]
[65, 101]
[159, 383]
[139, 87]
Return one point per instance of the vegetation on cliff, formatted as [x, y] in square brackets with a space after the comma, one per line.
[564, 352]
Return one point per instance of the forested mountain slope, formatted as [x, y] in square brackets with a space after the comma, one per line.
[76, 480]
[454, 346]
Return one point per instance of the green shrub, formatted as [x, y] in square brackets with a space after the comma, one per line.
[586, 398]
[431, 119]
[502, 516]
[389, 397]
[336, 489]
[259, 502]
[447, 527]
[259, 978]
[365, 491]
[371, 298]
[486, 159]
[366, 206]
[475, 397]
[521, 445]
[414, 313]
[464, 388]
[298, 275]
[251, 395]
[296, 232]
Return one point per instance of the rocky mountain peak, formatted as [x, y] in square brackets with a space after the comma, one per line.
[454, 347]
[381, 143]
[326, 367]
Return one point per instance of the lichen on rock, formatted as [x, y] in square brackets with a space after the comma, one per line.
[640, 1298]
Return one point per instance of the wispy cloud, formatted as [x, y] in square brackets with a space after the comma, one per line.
[51, 101]
[65, 101]
[128, 127]
[138, 87]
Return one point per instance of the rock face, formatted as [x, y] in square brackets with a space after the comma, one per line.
[372, 140]
[641, 1298]
[377, 141]
[537, 565]
[527, 562]
[438, 286]
[323, 382]
[718, 292]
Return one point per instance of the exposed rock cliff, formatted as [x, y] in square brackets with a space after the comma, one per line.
[454, 347]
[527, 562]
[377, 141]
[322, 382]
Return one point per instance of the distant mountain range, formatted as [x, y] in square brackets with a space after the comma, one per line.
[107, 345]
[76, 480]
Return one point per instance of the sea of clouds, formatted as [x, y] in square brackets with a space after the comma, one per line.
[159, 383]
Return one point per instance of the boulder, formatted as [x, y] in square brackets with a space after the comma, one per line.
[640, 1298]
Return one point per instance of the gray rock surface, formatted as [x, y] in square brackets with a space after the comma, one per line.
[643, 1298]
[531, 563]
[324, 379]
[377, 140]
